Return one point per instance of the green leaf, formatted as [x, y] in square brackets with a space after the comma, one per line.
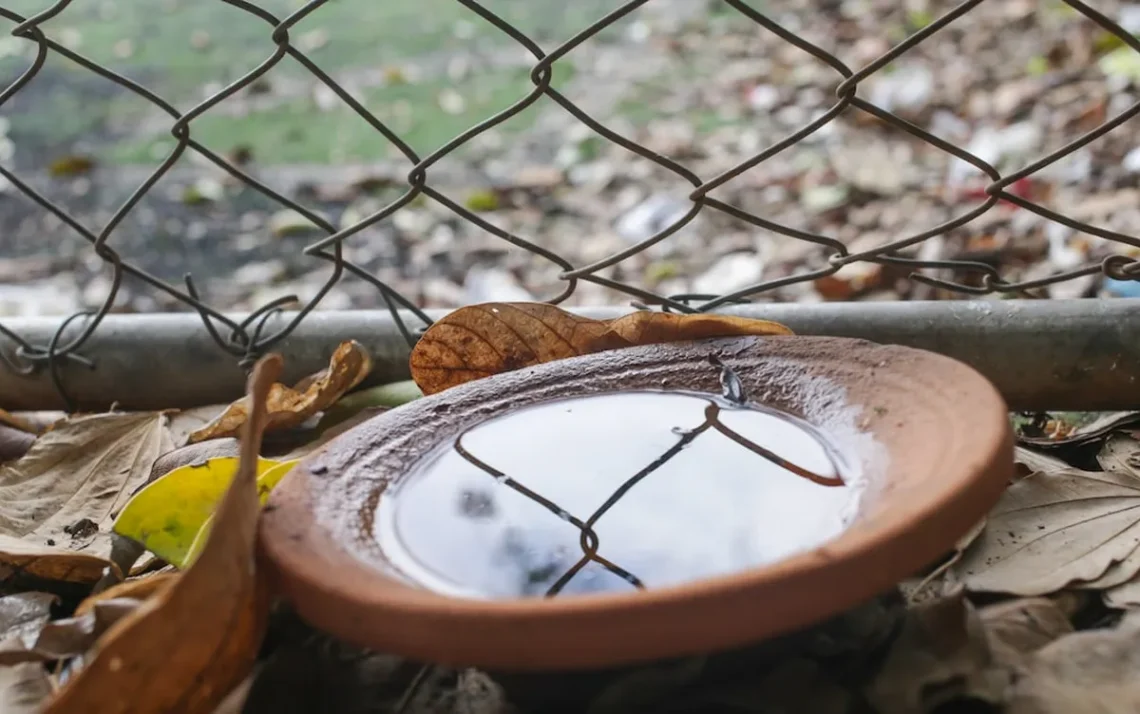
[168, 514]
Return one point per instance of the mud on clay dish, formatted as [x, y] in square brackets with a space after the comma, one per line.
[639, 504]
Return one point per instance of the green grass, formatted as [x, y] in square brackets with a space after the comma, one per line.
[367, 35]
[298, 131]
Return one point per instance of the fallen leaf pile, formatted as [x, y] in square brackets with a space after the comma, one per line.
[1065, 527]
[481, 340]
[129, 580]
[81, 630]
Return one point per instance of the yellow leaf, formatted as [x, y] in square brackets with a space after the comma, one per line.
[187, 646]
[167, 514]
[266, 481]
[480, 340]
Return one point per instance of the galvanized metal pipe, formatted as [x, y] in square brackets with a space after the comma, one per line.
[1041, 354]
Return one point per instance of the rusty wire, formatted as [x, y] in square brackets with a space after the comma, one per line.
[245, 340]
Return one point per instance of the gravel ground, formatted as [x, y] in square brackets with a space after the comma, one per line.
[698, 83]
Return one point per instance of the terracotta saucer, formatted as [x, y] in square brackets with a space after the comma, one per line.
[930, 436]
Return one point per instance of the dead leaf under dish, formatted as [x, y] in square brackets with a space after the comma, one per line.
[478, 341]
[1089, 671]
[949, 650]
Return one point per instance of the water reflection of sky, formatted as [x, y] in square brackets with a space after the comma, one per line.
[713, 509]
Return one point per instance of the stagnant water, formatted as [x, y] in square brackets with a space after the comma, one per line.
[661, 487]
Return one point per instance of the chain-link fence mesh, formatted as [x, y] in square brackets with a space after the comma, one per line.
[905, 250]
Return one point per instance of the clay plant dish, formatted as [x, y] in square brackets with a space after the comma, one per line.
[930, 436]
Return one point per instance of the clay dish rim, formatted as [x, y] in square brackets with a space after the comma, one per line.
[335, 589]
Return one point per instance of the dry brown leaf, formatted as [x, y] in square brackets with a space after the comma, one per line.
[183, 650]
[19, 557]
[14, 443]
[68, 637]
[136, 589]
[71, 484]
[184, 422]
[480, 340]
[940, 653]
[23, 688]
[1054, 528]
[23, 615]
[1018, 627]
[1120, 454]
[938, 582]
[949, 650]
[1125, 595]
[235, 701]
[1035, 461]
[9, 419]
[1090, 672]
[290, 407]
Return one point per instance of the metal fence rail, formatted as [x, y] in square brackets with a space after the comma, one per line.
[248, 337]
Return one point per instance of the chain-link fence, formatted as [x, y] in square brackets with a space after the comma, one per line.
[905, 248]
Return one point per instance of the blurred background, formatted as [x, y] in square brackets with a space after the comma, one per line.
[692, 80]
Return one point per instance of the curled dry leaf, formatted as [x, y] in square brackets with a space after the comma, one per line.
[135, 589]
[1120, 584]
[949, 651]
[22, 615]
[184, 422]
[1035, 461]
[290, 407]
[47, 563]
[1090, 671]
[9, 419]
[68, 637]
[1054, 528]
[187, 647]
[480, 340]
[1120, 454]
[74, 480]
[938, 582]
[23, 687]
[14, 443]
[1125, 595]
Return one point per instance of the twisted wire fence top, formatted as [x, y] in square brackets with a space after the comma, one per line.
[944, 215]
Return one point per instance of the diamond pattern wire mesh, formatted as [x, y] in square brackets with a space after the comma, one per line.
[246, 338]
